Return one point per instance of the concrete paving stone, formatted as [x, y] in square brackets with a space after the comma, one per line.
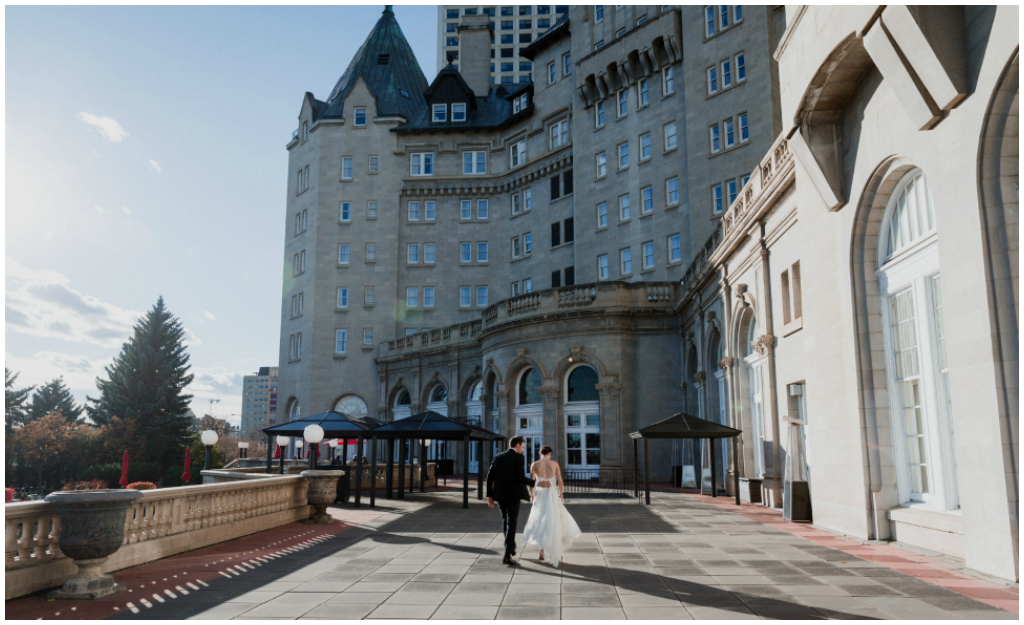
[446, 568]
[416, 598]
[649, 613]
[518, 598]
[983, 615]
[318, 585]
[475, 598]
[702, 613]
[877, 590]
[462, 612]
[602, 601]
[756, 591]
[737, 580]
[959, 603]
[793, 580]
[387, 577]
[289, 605]
[374, 587]
[539, 589]
[438, 577]
[878, 572]
[592, 614]
[393, 611]
[654, 599]
[346, 612]
[587, 588]
[479, 587]
[402, 568]
[823, 590]
[375, 598]
[222, 611]
[503, 578]
[529, 613]
[789, 614]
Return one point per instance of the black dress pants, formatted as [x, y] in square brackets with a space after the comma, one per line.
[510, 521]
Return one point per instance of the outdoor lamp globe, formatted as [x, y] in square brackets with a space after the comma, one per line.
[209, 438]
[282, 440]
[242, 445]
[333, 442]
[313, 434]
[427, 442]
[298, 444]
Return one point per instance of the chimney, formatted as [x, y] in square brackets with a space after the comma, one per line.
[475, 36]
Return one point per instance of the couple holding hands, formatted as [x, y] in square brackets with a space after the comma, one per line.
[550, 526]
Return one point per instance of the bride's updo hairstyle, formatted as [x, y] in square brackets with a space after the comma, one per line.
[545, 450]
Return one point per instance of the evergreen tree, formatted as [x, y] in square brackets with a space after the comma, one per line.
[53, 397]
[145, 385]
[14, 401]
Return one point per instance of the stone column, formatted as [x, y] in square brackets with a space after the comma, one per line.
[453, 409]
[553, 426]
[612, 430]
[504, 424]
[725, 364]
[765, 345]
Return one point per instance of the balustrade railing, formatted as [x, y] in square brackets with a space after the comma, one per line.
[577, 296]
[603, 484]
[431, 338]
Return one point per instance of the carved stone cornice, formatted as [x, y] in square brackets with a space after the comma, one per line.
[452, 404]
[501, 396]
[725, 364]
[521, 352]
[415, 408]
[549, 392]
[575, 352]
[610, 389]
[763, 344]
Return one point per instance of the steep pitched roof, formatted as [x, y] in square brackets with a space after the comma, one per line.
[387, 65]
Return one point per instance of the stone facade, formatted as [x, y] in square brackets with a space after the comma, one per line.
[259, 401]
[847, 344]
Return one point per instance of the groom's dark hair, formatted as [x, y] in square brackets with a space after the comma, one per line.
[515, 441]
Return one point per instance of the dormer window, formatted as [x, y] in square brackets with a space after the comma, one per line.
[458, 112]
[360, 116]
[440, 113]
[383, 59]
[519, 103]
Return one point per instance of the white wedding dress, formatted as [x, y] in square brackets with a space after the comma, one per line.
[550, 525]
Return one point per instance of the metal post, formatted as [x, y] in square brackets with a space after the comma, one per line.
[714, 478]
[312, 449]
[344, 451]
[270, 455]
[423, 465]
[736, 472]
[479, 470]
[401, 468]
[373, 472]
[647, 475]
[206, 464]
[359, 471]
[283, 452]
[636, 469]
[465, 472]
[389, 479]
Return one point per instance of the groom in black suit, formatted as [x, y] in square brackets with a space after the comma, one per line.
[506, 484]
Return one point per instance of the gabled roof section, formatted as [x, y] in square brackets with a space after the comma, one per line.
[490, 113]
[389, 68]
[546, 38]
[447, 82]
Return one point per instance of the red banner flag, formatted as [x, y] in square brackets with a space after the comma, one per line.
[186, 476]
[277, 452]
[124, 469]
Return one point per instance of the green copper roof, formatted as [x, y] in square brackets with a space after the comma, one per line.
[389, 68]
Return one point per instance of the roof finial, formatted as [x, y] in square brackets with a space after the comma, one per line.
[387, 8]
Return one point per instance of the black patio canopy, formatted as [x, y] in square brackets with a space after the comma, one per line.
[428, 426]
[682, 426]
[335, 425]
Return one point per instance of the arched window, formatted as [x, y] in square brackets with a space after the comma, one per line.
[753, 368]
[582, 384]
[294, 410]
[914, 332]
[403, 398]
[911, 215]
[529, 387]
[352, 405]
[438, 394]
[476, 392]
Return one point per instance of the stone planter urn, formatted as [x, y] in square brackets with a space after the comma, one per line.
[91, 529]
[321, 491]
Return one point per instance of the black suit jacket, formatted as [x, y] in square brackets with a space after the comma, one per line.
[506, 479]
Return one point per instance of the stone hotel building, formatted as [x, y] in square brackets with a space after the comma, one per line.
[798, 221]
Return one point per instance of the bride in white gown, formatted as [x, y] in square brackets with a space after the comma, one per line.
[550, 525]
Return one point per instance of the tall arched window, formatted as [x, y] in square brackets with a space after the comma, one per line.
[402, 407]
[438, 394]
[582, 419]
[718, 401]
[910, 285]
[294, 410]
[529, 387]
[753, 365]
[352, 405]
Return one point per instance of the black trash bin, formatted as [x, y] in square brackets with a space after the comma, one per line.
[445, 467]
[344, 487]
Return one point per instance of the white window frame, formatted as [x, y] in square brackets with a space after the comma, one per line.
[602, 215]
[465, 210]
[669, 146]
[438, 108]
[712, 79]
[413, 210]
[622, 155]
[465, 297]
[370, 255]
[517, 154]
[482, 297]
[740, 66]
[371, 209]
[367, 336]
[669, 191]
[477, 162]
[643, 93]
[673, 243]
[422, 162]
[342, 301]
[558, 134]
[346, 167]
[744, 128]
[567, 64]
[465, 253]
[527, 200]
[645, 137]
[428, 297]
[717, 199]
[647, 255]
[482, 252]
[626, 261]
[355, 116]
[730, 133]
[344, 254]
[710, 21]
[600, 165]
[430, 210]
[552, 75]
[668, 81]
[625, 207]
[459, 111]
[429, 253]
[369, 296]
[621, 103]
[412, 297]
[602, 267]
[715, 139]
[527, 244]
[412, 254]
[516, 250]
[647, 200]
[726, 66]
[599, 115]
[373, 164]
[340, 341]
[345, 211]
[483, 210]
[517, 204]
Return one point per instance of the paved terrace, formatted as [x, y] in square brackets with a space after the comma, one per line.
[684, 557]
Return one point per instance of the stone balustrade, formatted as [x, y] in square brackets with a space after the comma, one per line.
[164, 522]
[442, 337]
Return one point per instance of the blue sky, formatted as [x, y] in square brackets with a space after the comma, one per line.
[145, 156]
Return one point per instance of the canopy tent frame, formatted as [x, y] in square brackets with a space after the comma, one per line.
[432, 425]
[684, 426]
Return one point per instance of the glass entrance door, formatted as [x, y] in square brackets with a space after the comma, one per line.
[583, 440]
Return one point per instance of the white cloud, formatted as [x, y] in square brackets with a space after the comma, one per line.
[42, 303]
[49, 234]
[107, 127]
[209, 315]
[124, 209]
[79, 372]
[155, 166]
[101, 210]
